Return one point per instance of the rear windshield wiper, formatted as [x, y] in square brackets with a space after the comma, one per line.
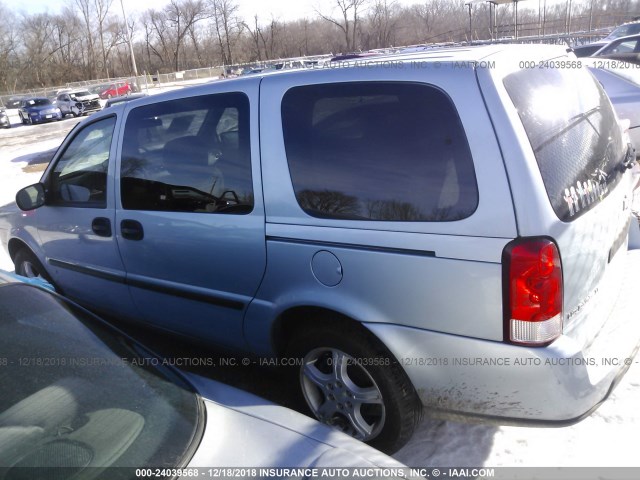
[628, 159]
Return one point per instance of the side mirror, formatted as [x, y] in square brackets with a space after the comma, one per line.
[31, 197]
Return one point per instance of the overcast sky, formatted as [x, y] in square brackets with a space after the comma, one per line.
[280, 9]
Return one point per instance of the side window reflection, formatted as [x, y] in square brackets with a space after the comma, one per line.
[189, 155]
[80, 176]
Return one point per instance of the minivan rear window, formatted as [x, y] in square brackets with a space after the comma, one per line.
[574, 134]
[385, 151]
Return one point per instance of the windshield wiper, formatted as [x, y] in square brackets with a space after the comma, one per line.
[571, 122]
[629, 159]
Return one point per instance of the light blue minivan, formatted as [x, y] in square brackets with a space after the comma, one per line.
[445, 229]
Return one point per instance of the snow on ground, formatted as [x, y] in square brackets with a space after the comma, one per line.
[608, 438]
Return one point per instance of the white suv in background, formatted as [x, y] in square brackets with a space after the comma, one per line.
[77, 102]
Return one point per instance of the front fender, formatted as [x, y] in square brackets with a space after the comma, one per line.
[24, 234]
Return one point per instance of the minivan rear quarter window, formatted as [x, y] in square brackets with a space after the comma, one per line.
[574, 135]
[385, 151]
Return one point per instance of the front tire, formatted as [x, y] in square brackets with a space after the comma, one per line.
[28, 265]
[350, 381]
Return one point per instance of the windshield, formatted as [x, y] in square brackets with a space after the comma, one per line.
[77, 394]
[83, 93]
[14, 103]
[624, 30]
[38, 102]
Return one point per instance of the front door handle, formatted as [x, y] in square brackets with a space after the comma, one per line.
[101, 226]
[131, 230]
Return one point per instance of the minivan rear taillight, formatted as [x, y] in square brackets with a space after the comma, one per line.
[532, 291]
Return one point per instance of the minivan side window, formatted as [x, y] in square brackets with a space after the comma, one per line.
[385, 151]
[188, 155]
[79, 178]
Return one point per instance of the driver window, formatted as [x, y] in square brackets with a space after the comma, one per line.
[625, 47]
[80, 176]
[188, 155]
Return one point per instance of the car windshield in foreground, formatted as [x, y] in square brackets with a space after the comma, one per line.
[76, 394]
[38, 102]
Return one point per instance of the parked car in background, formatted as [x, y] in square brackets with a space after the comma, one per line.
[626, 49]
[13, 103]
[124, 98]
[587, 49]
[38, 110]
[384, 227]
[98, 89]
[115, 90]
[77, 102]
[79, 395]
[624, 30]
[621, 81]
[5, 122]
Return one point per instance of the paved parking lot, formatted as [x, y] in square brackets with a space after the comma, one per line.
[606, 438]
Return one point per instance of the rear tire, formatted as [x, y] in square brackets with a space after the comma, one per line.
[370, 397]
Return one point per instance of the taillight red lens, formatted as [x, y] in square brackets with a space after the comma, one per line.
[532, 291]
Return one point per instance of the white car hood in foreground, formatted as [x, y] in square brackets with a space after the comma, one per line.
[243, 430]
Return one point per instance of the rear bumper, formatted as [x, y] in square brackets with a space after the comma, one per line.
[558, 384]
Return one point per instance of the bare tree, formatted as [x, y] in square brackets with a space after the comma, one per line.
[87, 10]
[255, 33]
[270, 37]
[8, 44]
[42, 50]
[227, 27]
[194, 35]
[37, 33]
[383, 24]
[181, 15]
[350, 17]
[158, 36]
[101, 8]
[329, 202]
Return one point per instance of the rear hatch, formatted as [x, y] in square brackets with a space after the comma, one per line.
[580, 152]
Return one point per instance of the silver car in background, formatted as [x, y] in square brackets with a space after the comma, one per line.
[621, 81]
[5, 121]
[81, 396]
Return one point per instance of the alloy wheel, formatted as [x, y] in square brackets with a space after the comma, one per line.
[341, 393]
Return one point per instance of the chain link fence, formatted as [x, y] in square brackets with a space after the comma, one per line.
[142, 82]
